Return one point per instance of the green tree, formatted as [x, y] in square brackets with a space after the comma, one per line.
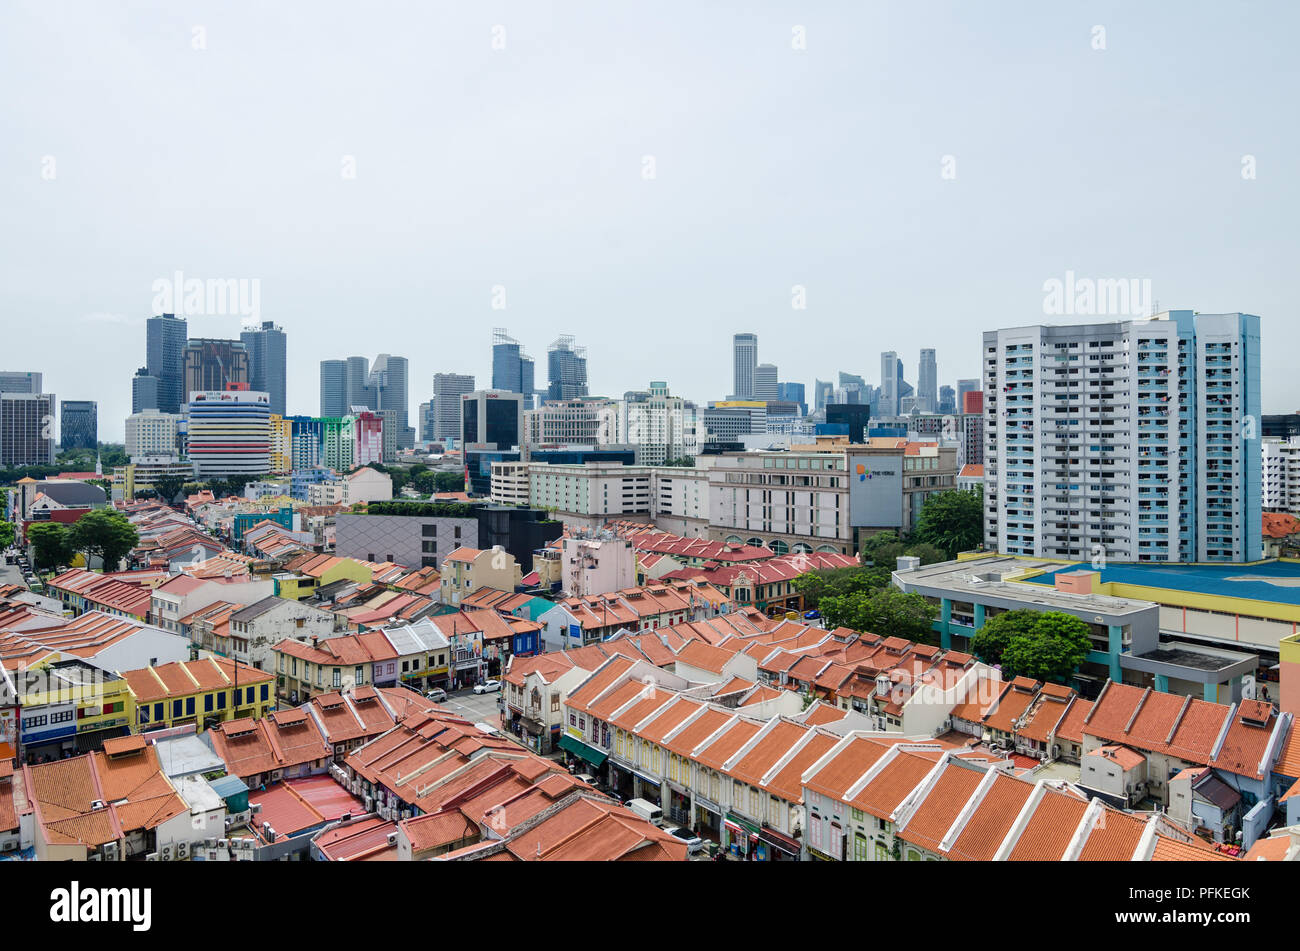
[50, 543]
[6, 534]
[991, 640]
[952, 521]
[106, 534]
[449, 481]
[1051, 650]
[169, 487]
[885, 611]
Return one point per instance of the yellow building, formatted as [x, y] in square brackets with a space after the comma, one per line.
[311, 572]
[199, 692]
[71, 706]
[281, 444]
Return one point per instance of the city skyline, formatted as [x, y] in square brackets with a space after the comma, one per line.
[733, 220]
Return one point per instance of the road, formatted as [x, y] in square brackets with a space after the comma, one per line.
[480, 708]
[11, 574]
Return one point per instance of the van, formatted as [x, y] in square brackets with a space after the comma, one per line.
[646, 810]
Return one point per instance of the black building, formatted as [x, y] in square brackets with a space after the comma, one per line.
[1281, 425]
[853, 415]
[79, 424]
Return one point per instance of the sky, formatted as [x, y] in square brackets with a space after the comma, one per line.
[650, 178]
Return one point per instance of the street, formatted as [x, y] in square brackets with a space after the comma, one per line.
[12, 574]
[480, 708]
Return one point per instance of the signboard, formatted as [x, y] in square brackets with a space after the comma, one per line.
[875, 491]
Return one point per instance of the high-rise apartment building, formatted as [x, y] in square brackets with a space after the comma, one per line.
[229, 432]
[661, 426]
[566, 369]
[744, 351]
[766, 385]
[79, 424]
[165, 340]
[1280, 467]
[447, 391]
[267, 362]
[387, 389]
[1127, 441]
[970, 425]
[27, 429]
[512, 368]
[212, 365]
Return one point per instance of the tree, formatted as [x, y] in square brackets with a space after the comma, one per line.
[886, 611]
[168, 487]
[991, 640]
[952, 521]
[6, 534]
[1044, 645]
[49, 540]
[106, 534]
[1056, 645]
[449, 481]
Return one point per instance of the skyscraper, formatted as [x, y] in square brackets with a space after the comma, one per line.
[889, 375]
[229, 432]
[512, 368]
[822, 390]
[333, 388]
[26, 429]
[165, 338]
[927, 382]
[566, 369]
[745, 358]
[493, 418]
[79, 424]
[356, 379]
[145, 391]
[1143, 454]
[267, 361]
[447, 391]
[766, 386]
[212, 364]
[20, 382]
[793, 393]
[387, 388]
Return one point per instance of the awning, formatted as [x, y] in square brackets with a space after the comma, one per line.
[580, 749]
[644, 778]
[782, 842]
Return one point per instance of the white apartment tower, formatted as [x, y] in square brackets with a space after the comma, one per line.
[1132, 440]
[662, 427]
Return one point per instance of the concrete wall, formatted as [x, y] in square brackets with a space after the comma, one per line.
[401, 537]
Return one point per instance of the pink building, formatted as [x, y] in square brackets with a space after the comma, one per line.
[369, 435]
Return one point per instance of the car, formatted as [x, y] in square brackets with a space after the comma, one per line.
[487, 686]
[693, 842]
[437, 695]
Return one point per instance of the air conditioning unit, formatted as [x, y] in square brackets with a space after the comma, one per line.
[230, 821]
[370, 804]
[151, 857]
[182, 850]
[94, 858]
[110, 851]
[223, 843]
[276, 775]
[392, 838]
[210, 843]
[255, 808]
[166, 852]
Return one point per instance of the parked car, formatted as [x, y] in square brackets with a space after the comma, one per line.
[487, 686]
[437, 695]
[693, 842]
[587, 778]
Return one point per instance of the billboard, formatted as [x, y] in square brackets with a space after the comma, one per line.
[875, 491]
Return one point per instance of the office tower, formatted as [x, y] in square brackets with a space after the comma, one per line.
[368, 437]
[333, 388]
[165, 339]
[822, 390]
[387, 388]
[966, 386]
[1125, 439]
[154, 434]
[854, 416]
[229, 432]
[566, 369]
[1280, 425]
[889, 375]
[766, 386]
[26, 429]
[793, 393]
[512, 368]
[267, 361]
[661, 426]
[744, 348]
[927, 382]
[211, 365]
[145, 390]
[20, 382]
[947, 401]
[425, 421]
[356, 382]
[79, 424]
[447, 391]
[586, 420]
[491, 418]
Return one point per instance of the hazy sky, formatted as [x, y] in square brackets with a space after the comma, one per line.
[126, 154]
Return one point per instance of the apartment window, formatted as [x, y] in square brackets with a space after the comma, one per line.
[360, 674]
[429, 531]
[189, 706]
[338, 678]
[555, 702]
[178, 708]
[207, 702]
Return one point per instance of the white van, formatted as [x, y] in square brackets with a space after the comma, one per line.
[646, 810]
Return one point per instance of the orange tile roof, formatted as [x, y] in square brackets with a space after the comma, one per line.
[988, 826]
[1049, 829]
[945, 799]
